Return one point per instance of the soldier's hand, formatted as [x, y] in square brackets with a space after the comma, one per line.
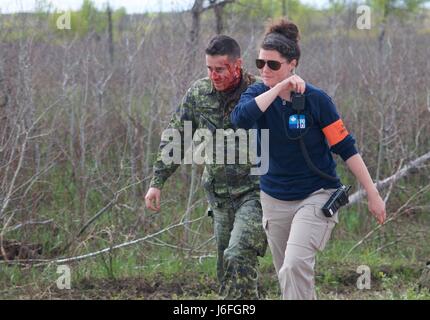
[152, 199]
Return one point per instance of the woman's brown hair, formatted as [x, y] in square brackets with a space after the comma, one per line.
[283, 36]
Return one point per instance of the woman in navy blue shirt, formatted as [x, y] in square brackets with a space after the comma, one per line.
[292, 194]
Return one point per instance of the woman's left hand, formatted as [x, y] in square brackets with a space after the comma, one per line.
[293, 83]
[377, 207]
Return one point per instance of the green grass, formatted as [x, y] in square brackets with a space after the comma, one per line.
[145, 272]
[395, 269]
[151, 271]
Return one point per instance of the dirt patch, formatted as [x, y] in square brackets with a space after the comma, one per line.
[136, 288]
[11, 250]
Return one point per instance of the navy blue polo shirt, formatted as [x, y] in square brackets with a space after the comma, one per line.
[289, 177]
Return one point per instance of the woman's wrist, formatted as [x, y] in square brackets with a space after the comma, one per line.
[277, 88]
[372, 192]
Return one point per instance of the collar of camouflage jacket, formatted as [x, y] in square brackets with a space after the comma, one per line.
[231, 97]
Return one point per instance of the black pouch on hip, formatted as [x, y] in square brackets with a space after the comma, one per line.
[338, 199]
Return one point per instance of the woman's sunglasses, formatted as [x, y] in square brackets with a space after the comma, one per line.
[272, 64]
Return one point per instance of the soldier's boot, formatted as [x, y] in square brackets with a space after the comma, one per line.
[240, 280]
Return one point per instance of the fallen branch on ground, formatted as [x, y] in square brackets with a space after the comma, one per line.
[93, 254]
[380, 185]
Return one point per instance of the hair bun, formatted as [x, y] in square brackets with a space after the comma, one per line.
[286, 28]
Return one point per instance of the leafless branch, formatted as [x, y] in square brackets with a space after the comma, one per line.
[105, 250]
[407, 169]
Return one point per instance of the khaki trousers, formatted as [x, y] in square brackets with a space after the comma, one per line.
[296, 231]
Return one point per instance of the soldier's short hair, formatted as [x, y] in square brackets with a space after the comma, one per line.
[223, 45]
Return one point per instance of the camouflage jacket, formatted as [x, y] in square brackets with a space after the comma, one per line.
[209, 109]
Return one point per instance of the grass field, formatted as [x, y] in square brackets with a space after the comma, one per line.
[149, 271]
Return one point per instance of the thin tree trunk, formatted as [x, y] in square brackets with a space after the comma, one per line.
[284, 8]
[196, 12]
[218, 10]
[110, 34]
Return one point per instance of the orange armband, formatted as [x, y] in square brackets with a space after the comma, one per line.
[335, 132]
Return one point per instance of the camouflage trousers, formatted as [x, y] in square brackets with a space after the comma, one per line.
[240, 238]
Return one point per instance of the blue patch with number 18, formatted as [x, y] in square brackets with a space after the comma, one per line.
[297, 123]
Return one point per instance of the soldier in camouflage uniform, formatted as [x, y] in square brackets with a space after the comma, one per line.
[232, 192]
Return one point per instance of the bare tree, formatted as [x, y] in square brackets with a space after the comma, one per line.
[110, 34]
[196, 12]
[218, 7]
